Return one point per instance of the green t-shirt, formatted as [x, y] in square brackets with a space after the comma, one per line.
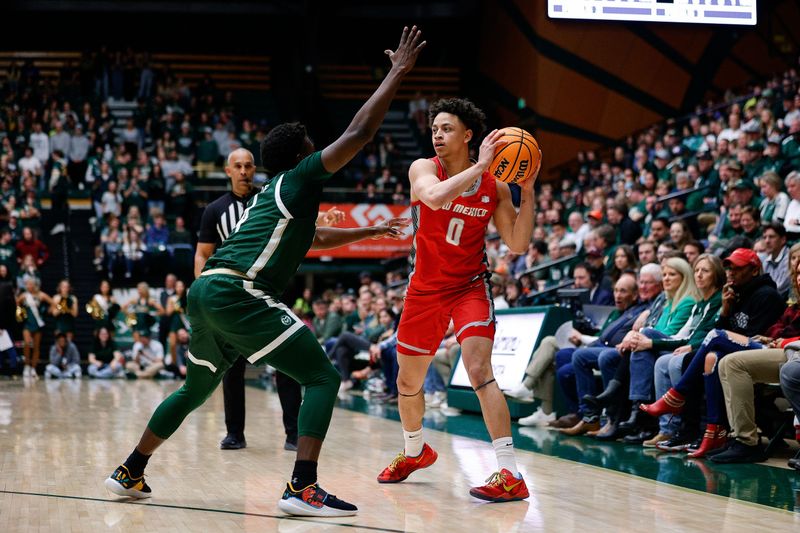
[277, 228]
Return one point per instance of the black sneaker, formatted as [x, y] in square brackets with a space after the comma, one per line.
[122, 484]
[676, 443]
[739, 452]
[314, 501]
[232, 442]
[290, 445]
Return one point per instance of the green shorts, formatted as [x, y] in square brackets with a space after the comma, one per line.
[230, 318]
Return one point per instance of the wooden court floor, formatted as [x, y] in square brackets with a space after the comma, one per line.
[59, 440]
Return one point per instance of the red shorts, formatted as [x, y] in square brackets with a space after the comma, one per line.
[426, 317]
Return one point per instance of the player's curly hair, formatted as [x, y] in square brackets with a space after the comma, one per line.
[280, 147]
[470, 114]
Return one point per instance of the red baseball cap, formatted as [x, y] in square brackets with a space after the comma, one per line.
[742, 257]
[596, 214]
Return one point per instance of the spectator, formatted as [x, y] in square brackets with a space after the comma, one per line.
[30, 163]
[741, 370]
[32, 246]
[326, 323]
[58, 185]
[628, 231]
[40, 143]
[775, 261]
[775, 203]
[157, 235]
[750, 303]
[147, 357]
[692, 250]
[647, 252]
[77, 154]
[177, 316]
[792, 221]
[207, 153]
[178, 364]
[64, 359]
[624, 261]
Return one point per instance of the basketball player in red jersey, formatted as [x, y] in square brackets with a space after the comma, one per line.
[453, 201]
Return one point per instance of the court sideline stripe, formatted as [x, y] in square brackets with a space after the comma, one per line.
[183, 507]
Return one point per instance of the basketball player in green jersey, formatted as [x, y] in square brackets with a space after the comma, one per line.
[234, 308]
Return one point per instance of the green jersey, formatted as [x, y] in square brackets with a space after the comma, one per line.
[277, 229]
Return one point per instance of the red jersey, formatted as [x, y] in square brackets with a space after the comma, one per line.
[449, 249]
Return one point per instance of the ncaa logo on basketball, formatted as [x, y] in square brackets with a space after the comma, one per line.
[285, 320]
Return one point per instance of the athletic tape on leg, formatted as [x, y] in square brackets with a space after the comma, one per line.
[482, 386]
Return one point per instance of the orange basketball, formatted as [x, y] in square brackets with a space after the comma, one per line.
[518, 160]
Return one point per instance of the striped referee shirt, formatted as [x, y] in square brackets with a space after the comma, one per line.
[220, 217]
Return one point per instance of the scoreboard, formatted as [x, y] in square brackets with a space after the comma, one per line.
[741, 12]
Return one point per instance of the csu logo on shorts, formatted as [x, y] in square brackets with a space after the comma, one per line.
[286, 320]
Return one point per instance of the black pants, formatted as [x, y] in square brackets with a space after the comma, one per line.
[289, 393]
[347, 346]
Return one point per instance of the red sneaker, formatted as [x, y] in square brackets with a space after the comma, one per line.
[403, 466]
[502, 486]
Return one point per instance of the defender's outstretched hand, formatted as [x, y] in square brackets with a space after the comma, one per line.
[407, 51]
[392, 228]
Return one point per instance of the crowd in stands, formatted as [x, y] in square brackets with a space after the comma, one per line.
[688, 229]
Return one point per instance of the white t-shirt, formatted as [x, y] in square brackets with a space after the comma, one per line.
[792, 220]
[31, 164]
[40, 143]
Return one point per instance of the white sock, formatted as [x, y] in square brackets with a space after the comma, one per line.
[413, 442]
[504, 449]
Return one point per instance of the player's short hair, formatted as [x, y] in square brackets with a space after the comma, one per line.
[470, 114]
[280, 147]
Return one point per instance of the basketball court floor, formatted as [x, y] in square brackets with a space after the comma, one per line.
[59, 440]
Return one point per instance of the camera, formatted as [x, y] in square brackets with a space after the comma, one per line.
[573, 300]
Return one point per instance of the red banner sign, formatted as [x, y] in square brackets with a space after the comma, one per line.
[363, 215]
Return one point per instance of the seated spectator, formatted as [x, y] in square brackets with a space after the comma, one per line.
[692, 250]
[775, 203]
[326, 323]
[679, 234]
[792, 220]
[775, 259]
[180, 235]
[790, 384]
[349, 344]
[64, 359]
[30, 212]
[111, 201]
[681, 297]
[540, 373]
[105, 360]
[646, 250]
[177, 364]
[31, 245]
[628, 231]
[751, 223]
[147, 357]
[741, 370]
[750, 303]
[624, 261]
[602, 352]
[8, 253]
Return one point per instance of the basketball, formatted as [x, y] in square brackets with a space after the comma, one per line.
[518, 160]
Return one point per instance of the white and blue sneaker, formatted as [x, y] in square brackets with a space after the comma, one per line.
[314, 501]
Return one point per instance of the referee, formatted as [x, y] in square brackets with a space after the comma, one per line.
[218, 222]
